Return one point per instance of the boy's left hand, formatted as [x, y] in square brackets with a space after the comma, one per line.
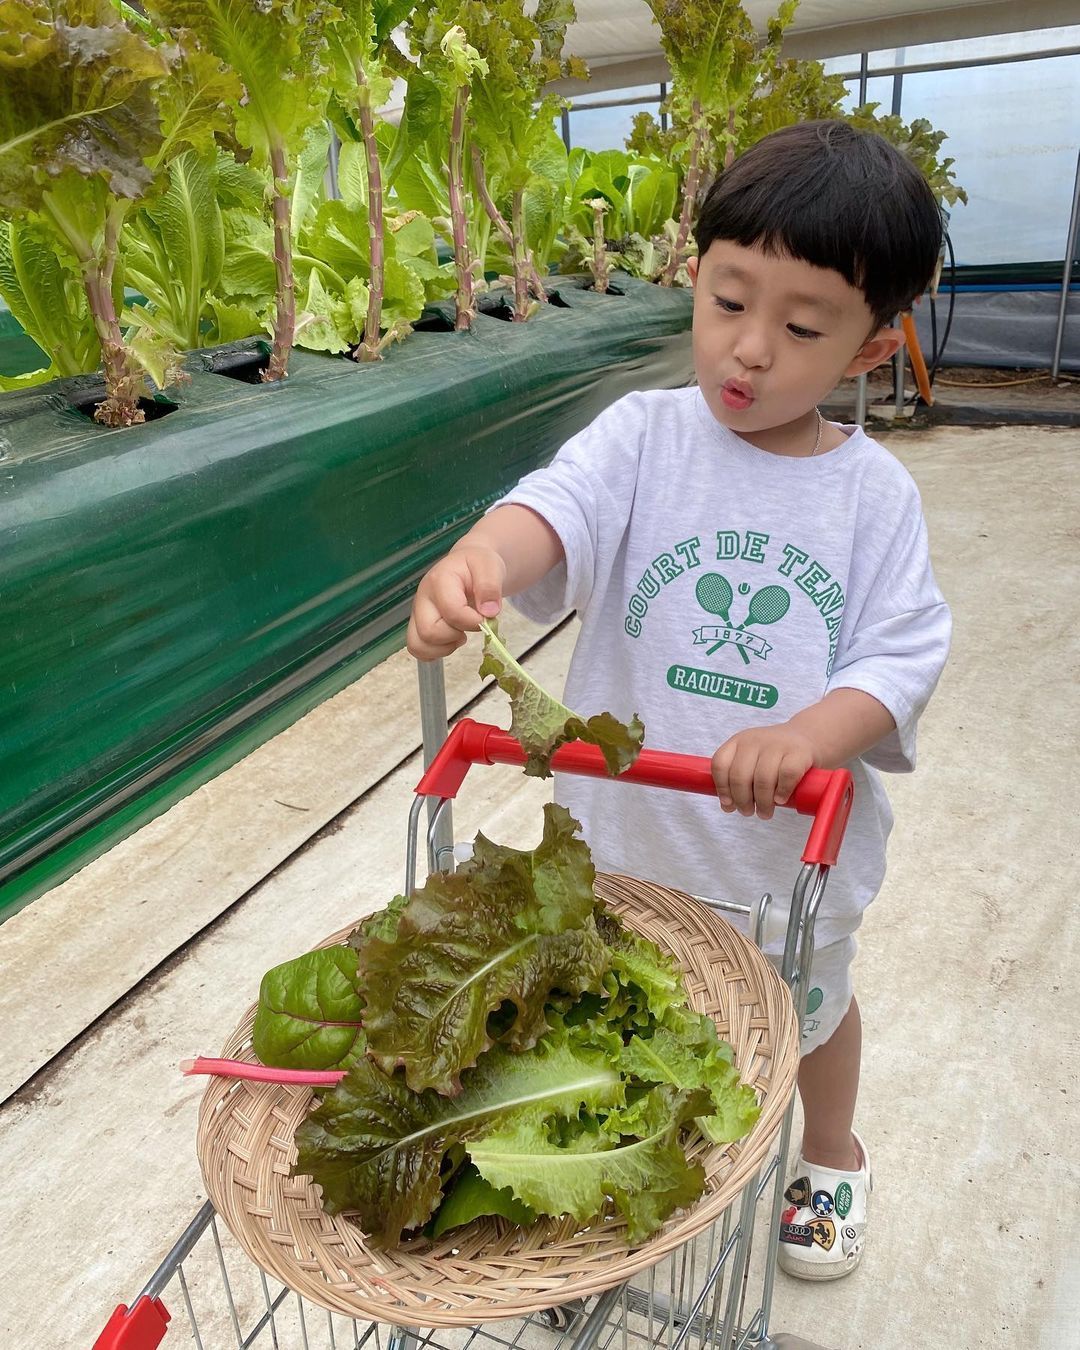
[758, 770]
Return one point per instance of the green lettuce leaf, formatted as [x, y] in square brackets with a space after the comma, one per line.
[377, 1148]
[471, 1197]
[75, 99]
[686, 1052]
[174, 249]
[323, 322]
[310, 1011]
[508, 928]
[43, 290]
[232, 320]
[644, 983]
[636, 1159]
[277, 49]
[541, 723]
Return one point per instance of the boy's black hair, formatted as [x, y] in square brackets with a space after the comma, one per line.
[833, 196]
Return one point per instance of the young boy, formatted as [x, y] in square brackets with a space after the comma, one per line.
[751, 577]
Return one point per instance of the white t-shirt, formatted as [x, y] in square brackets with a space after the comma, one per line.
[720, 587]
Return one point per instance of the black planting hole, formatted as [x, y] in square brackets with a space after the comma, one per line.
[152, 408]
[556, 301]
[496, 308]
[434, 321]
[247, 367]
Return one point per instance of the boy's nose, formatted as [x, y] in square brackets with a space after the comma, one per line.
[752, 351]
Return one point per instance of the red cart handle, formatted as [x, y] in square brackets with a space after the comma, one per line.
[825, 794]
[140, 1327]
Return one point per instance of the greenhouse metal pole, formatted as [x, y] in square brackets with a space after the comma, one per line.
[1066, 273]
[860, 383]
[434, 726]
[898, 359]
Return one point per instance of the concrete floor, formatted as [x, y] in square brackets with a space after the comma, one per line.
[965, 975]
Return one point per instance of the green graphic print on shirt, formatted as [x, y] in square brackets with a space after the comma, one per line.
[761, 606]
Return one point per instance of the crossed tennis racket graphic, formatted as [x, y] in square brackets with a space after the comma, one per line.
[714, 595]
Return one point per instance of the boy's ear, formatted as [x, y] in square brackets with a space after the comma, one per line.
[691, 267]
[876, 350]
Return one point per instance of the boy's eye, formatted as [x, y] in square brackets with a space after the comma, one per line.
[798, 332]
[728, 306]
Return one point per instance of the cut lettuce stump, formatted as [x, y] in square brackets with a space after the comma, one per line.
[541, 723]
[509, 1048]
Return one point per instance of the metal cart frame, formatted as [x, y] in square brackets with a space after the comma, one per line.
[699, 1295]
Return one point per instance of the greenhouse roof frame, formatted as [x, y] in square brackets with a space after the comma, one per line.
[620, 42]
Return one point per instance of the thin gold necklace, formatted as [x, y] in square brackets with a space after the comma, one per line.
[820, 429]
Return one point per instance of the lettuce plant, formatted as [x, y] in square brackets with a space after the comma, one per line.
[173, 251]
[278, 51]
[78, 125]
[450, 64]
[619, 211]
[712, 50]
[510, 119]
[362, 41]
[44, 290]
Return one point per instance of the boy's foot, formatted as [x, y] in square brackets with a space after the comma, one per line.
[823, 1223]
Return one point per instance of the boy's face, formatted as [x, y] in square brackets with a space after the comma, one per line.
[773, 335]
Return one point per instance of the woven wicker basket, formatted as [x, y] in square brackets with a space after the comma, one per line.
[490, 1268]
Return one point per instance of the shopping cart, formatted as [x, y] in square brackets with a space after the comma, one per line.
[697, 1296]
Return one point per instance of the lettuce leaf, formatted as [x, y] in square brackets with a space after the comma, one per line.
[377, 1148]
[310, 1011]
[508, 928]
[471, 1197]
[42, 288]
[541, 723]
[636, 1159]
[686, 1052]
[644, 983]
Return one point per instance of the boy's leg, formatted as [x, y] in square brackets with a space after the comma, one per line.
[823, 1229]
[828, 1086]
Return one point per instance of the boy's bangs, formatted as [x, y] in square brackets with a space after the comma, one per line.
[834, 197]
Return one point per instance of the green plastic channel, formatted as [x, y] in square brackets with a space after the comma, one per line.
[177, 592]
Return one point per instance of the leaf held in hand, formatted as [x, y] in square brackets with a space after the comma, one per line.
[541, 723]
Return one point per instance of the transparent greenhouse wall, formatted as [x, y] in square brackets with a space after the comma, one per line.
[1013, 129]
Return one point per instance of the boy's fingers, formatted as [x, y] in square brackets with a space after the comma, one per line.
[741, 779]
[792, 769]
[425, 650]
[721, 766]
[449, 598]
[430, 636]
[766, 773]
[487, 578]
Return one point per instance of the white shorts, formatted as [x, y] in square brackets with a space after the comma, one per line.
[830, 992]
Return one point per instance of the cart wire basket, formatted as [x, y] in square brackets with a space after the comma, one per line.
[285, 1274]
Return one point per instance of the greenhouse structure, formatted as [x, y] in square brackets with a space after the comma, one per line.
[436, 860]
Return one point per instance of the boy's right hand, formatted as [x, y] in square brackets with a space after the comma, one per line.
[460, 590]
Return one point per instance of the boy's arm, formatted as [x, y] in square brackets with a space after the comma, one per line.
[757, 770]
[507, 551]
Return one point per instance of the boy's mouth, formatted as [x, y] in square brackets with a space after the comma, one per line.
[736, 395]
